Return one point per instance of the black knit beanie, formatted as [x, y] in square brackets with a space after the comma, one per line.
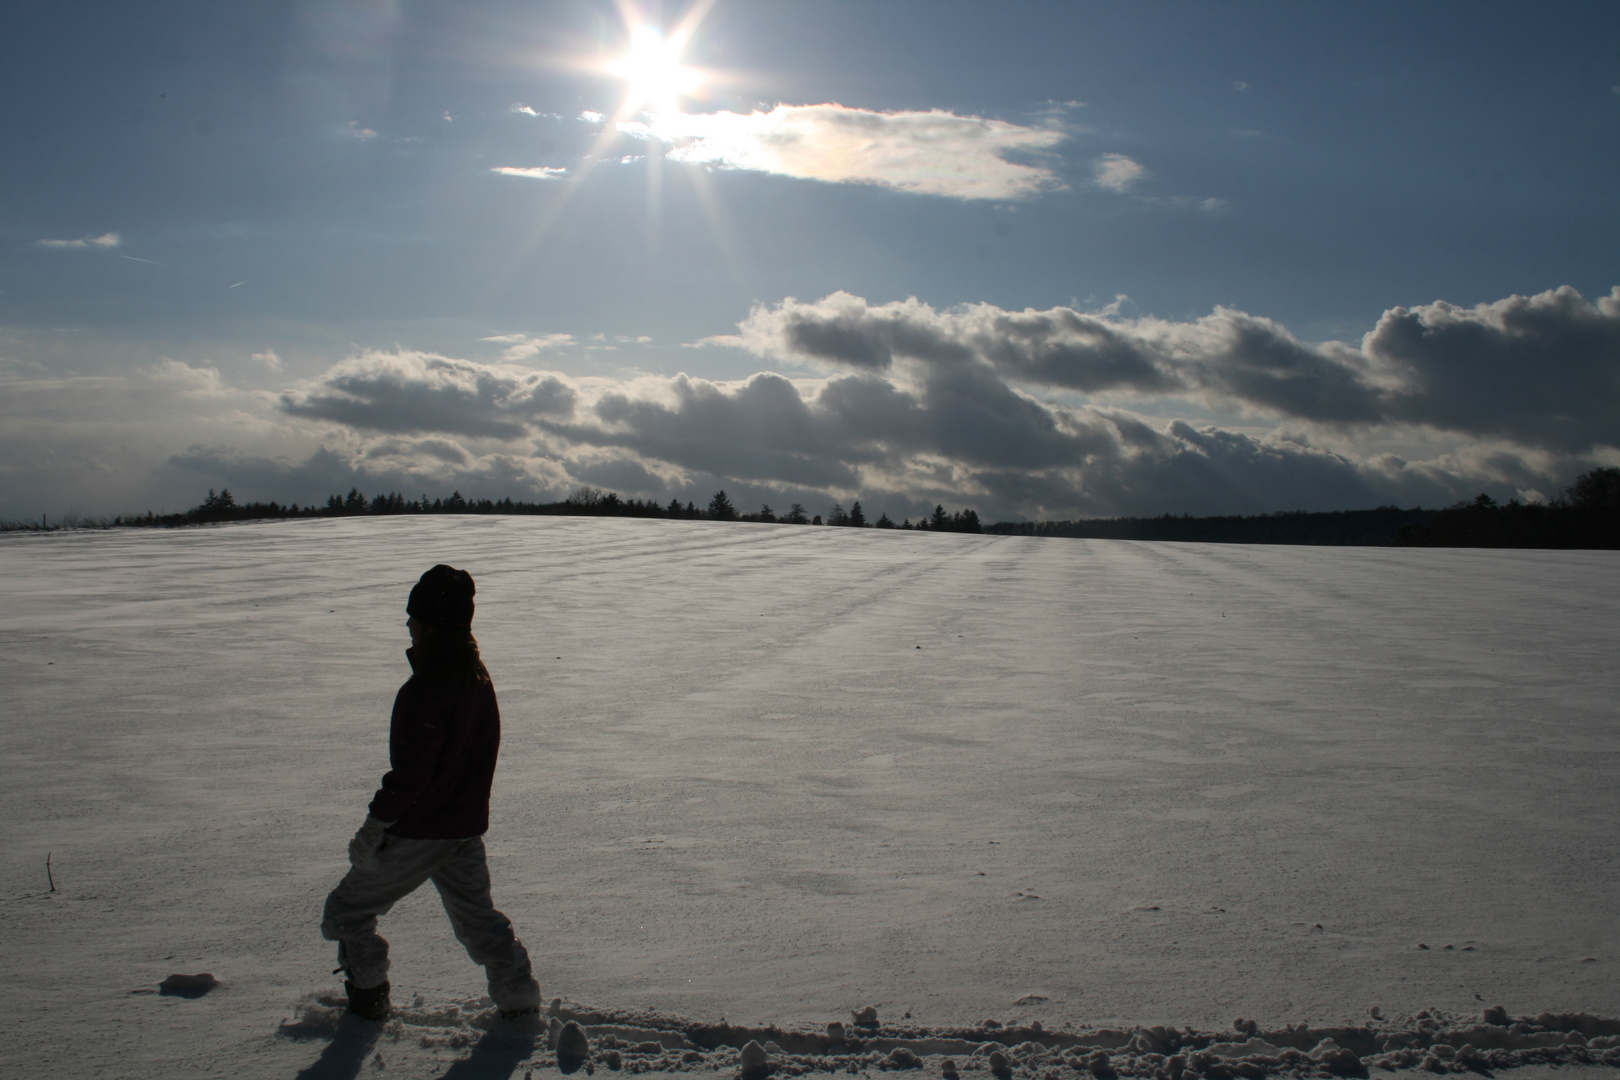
[443, 597]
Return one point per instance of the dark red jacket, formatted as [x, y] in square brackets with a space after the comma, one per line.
[442, 743]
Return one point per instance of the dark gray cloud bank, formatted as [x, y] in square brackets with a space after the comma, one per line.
[1542, 371]
[416, 393]
[1035, 414]
[1031, 413]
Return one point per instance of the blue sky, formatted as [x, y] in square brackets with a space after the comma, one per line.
[1045, 260]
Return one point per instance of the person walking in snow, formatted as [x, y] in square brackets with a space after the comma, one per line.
[428, 819]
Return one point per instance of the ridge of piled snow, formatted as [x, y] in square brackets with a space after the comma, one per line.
[639, 1041]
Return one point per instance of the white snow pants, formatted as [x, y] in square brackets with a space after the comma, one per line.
[393, 869]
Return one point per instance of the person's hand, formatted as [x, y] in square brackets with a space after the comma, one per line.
[366, 843]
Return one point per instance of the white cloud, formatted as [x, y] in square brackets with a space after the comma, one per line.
[1120, 174]
[592, 117]
[354, 131]
[1117, 307]
[542, 172]
[924, 153]
[525, 346]
[268, 358]
[619, 339]
[529, 110]
[105, 240]
[1116, 172]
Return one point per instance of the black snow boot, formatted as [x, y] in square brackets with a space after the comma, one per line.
[370, 1003]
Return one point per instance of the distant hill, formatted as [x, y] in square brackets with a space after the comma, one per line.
[1587, 515]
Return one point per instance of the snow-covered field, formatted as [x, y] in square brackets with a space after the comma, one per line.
[774, 773]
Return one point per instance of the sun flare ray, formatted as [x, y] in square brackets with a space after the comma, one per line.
[656, 82]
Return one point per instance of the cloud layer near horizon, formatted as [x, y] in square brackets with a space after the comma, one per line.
[1040, 414]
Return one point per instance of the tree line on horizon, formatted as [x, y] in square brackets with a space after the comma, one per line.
[586, 501]
[1586, 515]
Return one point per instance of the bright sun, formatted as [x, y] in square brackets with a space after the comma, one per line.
[653, 69]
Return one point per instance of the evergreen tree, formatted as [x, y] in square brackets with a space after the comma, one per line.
[215, 503]
[720, 508]
[1595, 490]
[796, 515]
[765, 513]
[836, 515]
[674, 509]
[216, 506]
[856, 518]
[939, 519]
[883, 522]
[965, 521]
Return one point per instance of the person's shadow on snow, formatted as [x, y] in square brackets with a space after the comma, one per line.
[494, 1057]
[346, 1053]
